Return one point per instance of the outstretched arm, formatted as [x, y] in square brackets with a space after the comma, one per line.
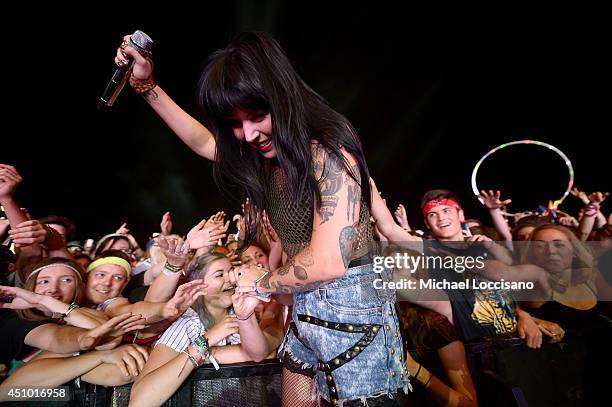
[67, 339]
[192, 132]
[186, 294]
[385, 224]
[24, 299]
[126, 361]
[494, 204]
[9, 180]
[590, 213]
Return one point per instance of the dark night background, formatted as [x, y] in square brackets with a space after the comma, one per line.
[428, 97]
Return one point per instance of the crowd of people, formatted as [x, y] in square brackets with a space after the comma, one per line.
[291, 277]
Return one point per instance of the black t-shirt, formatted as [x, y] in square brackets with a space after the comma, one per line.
[477, 312]
[14, 330]
[136, 290]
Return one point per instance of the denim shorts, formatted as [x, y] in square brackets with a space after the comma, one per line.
[346, 334]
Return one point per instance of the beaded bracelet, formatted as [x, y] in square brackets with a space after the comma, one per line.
[141, 86]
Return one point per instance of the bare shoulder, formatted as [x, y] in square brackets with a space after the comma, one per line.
[326, 163]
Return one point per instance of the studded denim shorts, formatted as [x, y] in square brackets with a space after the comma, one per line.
[346, 334]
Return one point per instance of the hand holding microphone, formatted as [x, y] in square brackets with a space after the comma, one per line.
[132, 63]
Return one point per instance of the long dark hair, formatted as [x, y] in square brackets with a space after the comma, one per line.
[253, 72]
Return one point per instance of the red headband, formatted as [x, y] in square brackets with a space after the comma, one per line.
[437, 202]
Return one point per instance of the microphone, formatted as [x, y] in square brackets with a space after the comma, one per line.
[143, 44]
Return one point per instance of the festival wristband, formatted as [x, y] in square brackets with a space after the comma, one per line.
[204, 351]
[172, 268]
[257, 280]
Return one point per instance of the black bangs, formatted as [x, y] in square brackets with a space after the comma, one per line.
[229, 82]
[254, 73]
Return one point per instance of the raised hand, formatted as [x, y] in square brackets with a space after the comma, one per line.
[123, 230]
[175, 250]
[207, 233]
[400, 216]
[143, 66]
[9, 179]
[217, 218]
[569, 221]
[28, 233]
[166, 224]
[580, 195]
[492, 199]
[186, 294]
[268, 229]
[598, 197]
[250, 213]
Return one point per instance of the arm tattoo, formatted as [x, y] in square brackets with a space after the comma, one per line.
[299, 269]
[287, 289]
[354, 193]
[285, 269]
[282, 288]
[329, 168]
[306, 258]
[150, 95]
[347, 235]
[300, 272]
[265, 282]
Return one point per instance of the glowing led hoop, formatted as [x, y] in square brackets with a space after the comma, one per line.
[568, 163]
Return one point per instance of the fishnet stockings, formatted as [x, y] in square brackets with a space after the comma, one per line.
[298, 390]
